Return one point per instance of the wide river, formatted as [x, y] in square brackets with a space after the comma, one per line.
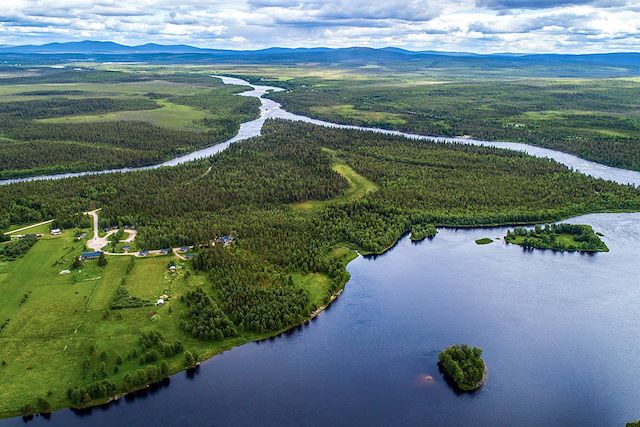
[559, 331]
[270, 109]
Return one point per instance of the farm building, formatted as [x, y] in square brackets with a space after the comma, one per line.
[90, 255]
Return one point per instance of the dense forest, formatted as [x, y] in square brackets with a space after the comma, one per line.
[31, 146]
[248, 191]
[593, 119]
[252, 191]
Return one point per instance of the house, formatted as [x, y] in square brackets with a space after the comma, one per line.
[225, 240]
[90, 255]
[184, 249]
[55, 231]
[126, 248]
[164, 251]
[144, 253]
[160, 301]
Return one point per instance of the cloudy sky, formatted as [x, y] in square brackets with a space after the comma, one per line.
[457, 25]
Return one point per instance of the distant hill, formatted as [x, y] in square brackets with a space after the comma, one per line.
[561, 65]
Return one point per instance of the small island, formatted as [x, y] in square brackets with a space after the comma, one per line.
[422, 231]
[558, 237]
[484, 241]
[464, 365]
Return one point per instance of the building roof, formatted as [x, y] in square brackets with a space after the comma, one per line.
[94, 254]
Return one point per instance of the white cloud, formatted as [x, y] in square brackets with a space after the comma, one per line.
[460, 25]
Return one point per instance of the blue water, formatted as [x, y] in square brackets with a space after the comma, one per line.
[559, 331]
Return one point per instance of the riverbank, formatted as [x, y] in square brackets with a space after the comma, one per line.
[270, 109]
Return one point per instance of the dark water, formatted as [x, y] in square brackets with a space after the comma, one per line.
[560, 334]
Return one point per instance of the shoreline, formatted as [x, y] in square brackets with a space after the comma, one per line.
[312, 315]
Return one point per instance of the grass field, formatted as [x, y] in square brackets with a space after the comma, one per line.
[350, 114]
[359, 186]
[54, 320]
[168, 115]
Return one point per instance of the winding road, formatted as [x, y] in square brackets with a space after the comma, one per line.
[270, 109]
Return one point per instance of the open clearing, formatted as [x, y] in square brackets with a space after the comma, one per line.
[359, 186]
[168, 115]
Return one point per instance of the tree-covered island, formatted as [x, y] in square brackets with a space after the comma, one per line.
[464, 365]
[558, 237]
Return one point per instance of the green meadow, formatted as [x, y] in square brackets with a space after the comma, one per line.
[54, 323]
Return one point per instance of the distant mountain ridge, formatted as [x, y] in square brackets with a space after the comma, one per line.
[473, 65]
[104, 47]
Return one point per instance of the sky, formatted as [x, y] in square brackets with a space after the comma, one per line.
[481, 26]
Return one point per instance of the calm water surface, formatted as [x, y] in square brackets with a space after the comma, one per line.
[560, 335]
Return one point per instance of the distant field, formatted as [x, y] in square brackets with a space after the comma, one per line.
[168, 115]
[597, 119]
[76, 121]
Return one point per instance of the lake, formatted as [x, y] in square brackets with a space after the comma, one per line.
[559, 333]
